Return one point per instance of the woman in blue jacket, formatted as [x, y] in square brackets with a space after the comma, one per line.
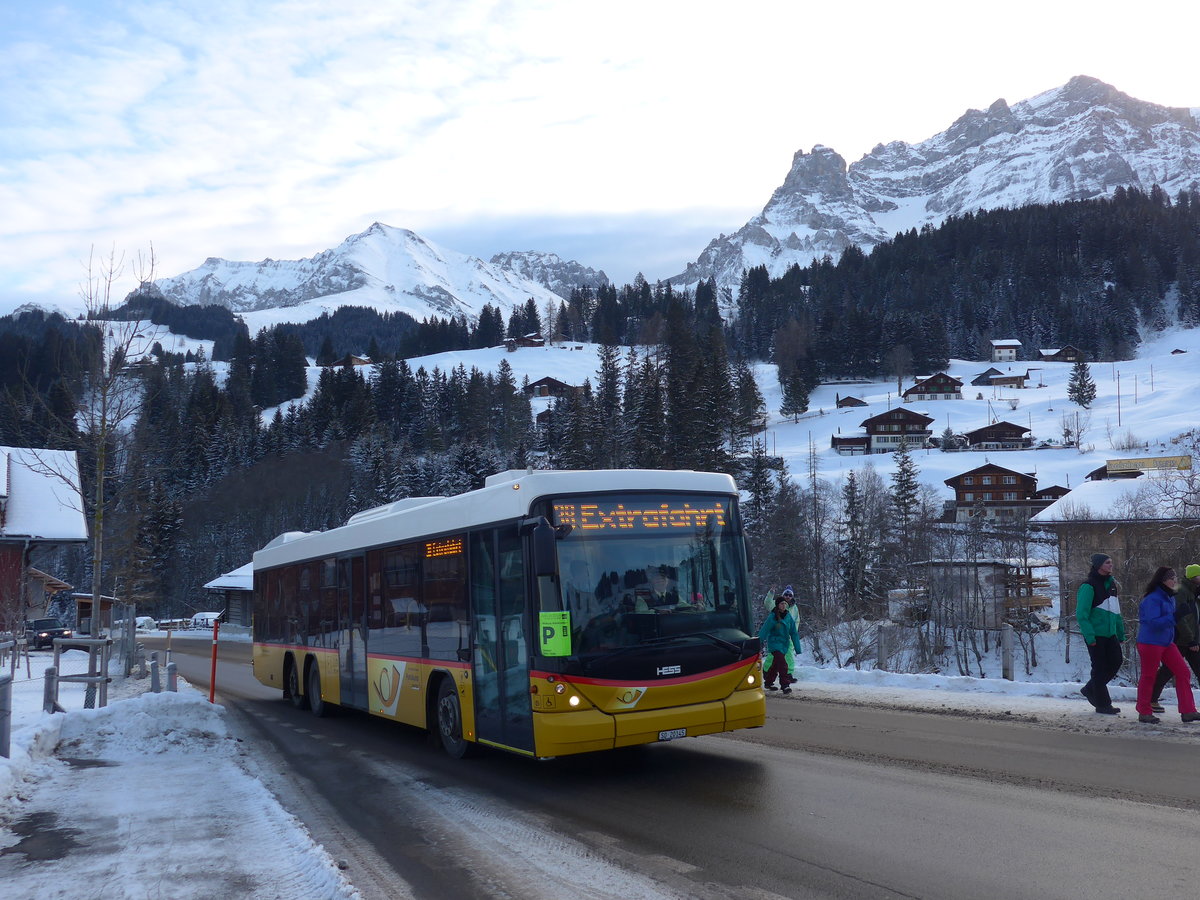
[776, 634]
[1156, 645]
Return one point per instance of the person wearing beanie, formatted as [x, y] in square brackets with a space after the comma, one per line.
[779, 634]
[1187, 632]
[1156, 646]
[1098, 614]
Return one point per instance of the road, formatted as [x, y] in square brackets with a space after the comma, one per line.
[829, 800]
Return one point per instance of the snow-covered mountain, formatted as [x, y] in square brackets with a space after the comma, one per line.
[551, 270]
[385, 268]
[1075, 142]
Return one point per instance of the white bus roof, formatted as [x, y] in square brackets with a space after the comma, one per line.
[505, 496]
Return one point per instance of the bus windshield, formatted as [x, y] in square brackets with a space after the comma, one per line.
[638, 569]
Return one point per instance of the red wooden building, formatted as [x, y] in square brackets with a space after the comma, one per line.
[999, 436]
[936, 387]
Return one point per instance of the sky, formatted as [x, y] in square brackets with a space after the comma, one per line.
[96, 764]
[624, 135]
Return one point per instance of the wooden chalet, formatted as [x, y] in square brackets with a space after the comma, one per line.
[999, 436]
[984, 379]
[1010, 379]
[937, 387]
[996, 492]
[40, 506]
[233, 592]
[851, 444]
[1061, 354]
[887, 430]
[549, 387]
[1051, 493]
[848, 402]
[1141, 522]
[1005, 350]
[526, 340]
[351, 360]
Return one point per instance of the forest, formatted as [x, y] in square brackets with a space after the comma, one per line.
[211, 458]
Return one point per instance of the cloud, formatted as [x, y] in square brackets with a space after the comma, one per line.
[250, 129]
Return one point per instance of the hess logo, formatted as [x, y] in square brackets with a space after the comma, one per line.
[669, 670]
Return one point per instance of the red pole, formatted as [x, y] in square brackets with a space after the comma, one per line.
[212, 680]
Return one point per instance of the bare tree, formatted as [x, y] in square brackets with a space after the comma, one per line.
[112, 395]
[899, 362]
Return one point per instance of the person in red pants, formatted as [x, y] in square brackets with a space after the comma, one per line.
[1187, 631]
[1156, 646]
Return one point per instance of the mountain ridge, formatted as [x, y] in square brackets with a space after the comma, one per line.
[1078, 141]
[386, 268]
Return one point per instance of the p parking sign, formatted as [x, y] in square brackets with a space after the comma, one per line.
[554, 633]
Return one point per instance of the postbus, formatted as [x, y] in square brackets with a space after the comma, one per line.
[548, 613]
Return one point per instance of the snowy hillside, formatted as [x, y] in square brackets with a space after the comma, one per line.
[1075, 142]
[1156, 405]
[385, 268]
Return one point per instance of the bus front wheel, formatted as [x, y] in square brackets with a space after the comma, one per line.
[450, 721]
[300, 701]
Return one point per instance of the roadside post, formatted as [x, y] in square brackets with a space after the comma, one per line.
[1006, 652]
[212, 680]
[5, 713]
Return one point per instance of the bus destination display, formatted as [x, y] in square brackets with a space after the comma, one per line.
[593, 515]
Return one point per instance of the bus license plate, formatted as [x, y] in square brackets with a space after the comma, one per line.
[672, 734]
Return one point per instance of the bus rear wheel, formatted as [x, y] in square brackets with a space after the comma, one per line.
[299, 700]
[450, 721]
[315, 701]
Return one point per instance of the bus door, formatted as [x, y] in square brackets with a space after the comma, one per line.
[500, 661]
[352, 647]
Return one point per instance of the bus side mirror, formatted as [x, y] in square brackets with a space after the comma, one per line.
[544, 557]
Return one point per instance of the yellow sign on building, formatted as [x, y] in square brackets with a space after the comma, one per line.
[1149, 464]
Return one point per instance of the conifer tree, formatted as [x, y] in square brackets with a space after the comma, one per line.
[906, 499]
[749, 407]
[606, 411]
[326, 356]
[795, 394]
[1081, 389]
[856, 553]
[759, 485]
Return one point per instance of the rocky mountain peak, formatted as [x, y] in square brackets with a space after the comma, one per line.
[385, 268]
[551, 271]
[1081, 140]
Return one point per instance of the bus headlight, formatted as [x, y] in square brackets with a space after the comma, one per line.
[574, 701]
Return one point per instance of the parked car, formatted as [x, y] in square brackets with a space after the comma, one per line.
[41, 633]
[206, 619]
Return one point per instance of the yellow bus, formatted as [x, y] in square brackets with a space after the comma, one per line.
[547, 613]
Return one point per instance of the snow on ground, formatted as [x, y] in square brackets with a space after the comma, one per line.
[148, 796]
[139, 798]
